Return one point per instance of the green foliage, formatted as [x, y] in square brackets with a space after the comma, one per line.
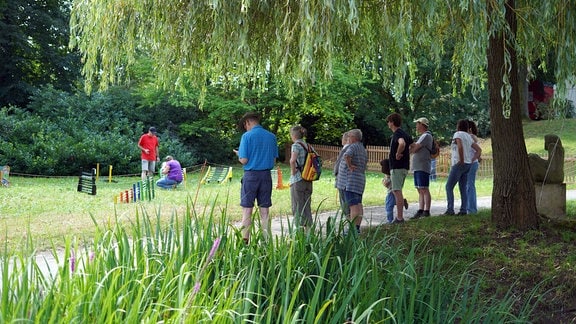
[34, 49]
[63, 134]
[431, 96]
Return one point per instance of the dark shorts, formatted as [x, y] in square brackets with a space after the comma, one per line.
[352, 198]
[421, 179]
[256, 185]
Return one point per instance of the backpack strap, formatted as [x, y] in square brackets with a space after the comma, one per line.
[432, 143]
[307, 150]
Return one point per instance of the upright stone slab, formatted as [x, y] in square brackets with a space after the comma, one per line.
[551, 199]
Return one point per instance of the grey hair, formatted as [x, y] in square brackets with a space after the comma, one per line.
[355, 133]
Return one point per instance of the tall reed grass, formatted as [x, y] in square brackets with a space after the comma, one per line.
[198, 270]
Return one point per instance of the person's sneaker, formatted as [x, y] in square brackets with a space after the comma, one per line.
[405, 204]
[462, 214]
[448, 213]
[397, 221]
[426, 213]
[418, 214]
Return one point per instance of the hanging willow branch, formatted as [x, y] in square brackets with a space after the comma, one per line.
[241, 42]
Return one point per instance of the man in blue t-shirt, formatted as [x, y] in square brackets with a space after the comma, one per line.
[258, 152]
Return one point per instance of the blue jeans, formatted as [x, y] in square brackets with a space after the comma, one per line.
[458, 174]
[166, 183]
[390, 203]
[343, 204]
[471, 188]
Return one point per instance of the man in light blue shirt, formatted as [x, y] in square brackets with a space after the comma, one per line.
[258, 152]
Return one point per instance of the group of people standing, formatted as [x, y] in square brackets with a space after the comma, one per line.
[258, 152]
[465, 158]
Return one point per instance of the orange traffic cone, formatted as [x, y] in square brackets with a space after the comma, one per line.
[279, 175]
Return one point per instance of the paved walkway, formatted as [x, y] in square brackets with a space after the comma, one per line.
[376, 215]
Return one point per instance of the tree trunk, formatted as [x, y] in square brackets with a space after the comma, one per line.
[513, 196]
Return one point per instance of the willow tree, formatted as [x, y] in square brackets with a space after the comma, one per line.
[297, 42]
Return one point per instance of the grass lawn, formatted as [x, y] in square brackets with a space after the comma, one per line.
[50, 208]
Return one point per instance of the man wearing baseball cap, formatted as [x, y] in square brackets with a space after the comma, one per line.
[421, 165]
[148, 145]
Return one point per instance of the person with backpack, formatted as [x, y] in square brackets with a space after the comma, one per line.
[421, 165]
[399, 162]
[300, 189]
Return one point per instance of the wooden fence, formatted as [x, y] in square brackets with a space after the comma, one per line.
[378, 153]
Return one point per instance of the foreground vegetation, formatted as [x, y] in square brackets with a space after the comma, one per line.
[151, 261]
[197, 270]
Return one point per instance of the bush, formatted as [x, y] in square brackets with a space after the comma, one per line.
[60, 134]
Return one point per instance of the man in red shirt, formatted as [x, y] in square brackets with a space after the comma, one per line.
[149, 145]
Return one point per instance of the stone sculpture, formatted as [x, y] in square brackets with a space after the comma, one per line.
[551, 170]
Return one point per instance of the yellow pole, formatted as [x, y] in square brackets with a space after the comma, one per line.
[110, 174]
[184, 175]
[97, 171]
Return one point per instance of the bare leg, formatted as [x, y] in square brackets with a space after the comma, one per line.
[427, 198]
[356, 213]
[424, 198]
[399, 204]
[246, 223]
[421, 199]
[265, 222]
[144, 175]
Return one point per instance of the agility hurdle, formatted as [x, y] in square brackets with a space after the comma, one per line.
[87, 182]
[140, 191]
[217, 174]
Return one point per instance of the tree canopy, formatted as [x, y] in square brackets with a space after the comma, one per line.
[33, 45]
[244, 43]
[298, 42]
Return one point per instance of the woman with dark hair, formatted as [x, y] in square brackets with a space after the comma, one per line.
[462, 157]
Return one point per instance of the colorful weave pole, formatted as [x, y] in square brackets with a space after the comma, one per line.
[140, 191]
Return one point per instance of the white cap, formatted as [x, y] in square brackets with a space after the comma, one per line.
[422, 120]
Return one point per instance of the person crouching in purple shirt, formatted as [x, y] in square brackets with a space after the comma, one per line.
[172, 174]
